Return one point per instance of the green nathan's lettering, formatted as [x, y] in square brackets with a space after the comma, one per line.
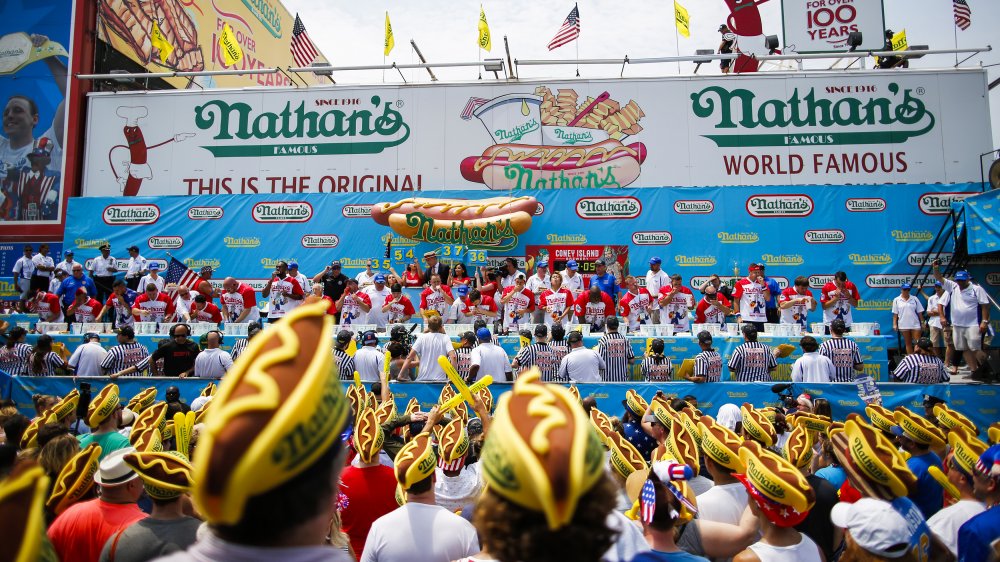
[497, 235]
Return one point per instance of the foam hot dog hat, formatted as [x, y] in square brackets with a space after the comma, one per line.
[950, 419]
[720, 444]
[147, 440]
[873, 464]
[663, 414]
[142, 400]
[22, 499]
[798, 447]
[993, 433]
[541, 453]
[917, 428]
[415, 462]
[966, 452]
[880, 417]
[29, 439]
[492, 213]
[602, 423]
[75, 479]
[635, 403]
[777, 486]
[165, 475]
[682, 446]
[687, 416]
[279, 409]
[65, 406]
[757, 426]
[153, 416]
[812, 422]
[103, 405]
[453, 443]
[368, 436]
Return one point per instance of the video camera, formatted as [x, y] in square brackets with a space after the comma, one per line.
[786, 396]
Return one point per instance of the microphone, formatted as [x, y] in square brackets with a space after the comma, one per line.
[780, 387]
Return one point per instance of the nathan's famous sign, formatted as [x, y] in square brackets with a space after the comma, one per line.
[493, 224]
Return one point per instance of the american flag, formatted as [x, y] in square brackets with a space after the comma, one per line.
[963, 15]
[179, 274]
[647, 500]
[570, 29]
[303, 50]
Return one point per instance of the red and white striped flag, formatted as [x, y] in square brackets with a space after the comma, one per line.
[569, 31]
[303, 50]
[963, 14]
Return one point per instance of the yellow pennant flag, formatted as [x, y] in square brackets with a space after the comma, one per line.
[899, 42]
[682, 19]
[157, 39]
[390, 41]
[231, 51]
[484, 31]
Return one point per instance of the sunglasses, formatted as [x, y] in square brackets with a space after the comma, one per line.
[180, 335]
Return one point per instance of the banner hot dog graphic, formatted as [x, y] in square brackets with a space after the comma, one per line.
[546, 141]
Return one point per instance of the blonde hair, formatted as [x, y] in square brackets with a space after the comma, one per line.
[57, 452]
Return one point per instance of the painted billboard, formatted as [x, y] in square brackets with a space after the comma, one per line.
[34, 54]
[820, 26]
[796, 129]
[176, 35]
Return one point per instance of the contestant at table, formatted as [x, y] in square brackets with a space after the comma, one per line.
[557, 302]
[120, 304]
[239, 302]
[676, 301]
[839, 297]
[636, 304]
[85, 308]
[712, 308]
[436, 297]
[750, 298]
[517, 302]
[796, 303]
[478, 306]
[353, 304]
[378, 293]
[538, 283]
[153, 306]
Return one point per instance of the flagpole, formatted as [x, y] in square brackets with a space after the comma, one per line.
[576, 7]
[677, 41]
[954, 25]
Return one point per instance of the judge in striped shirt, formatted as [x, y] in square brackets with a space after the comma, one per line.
[616, 351]
[538, 354]
[656, 367]
[922, 367]
[708, 363]
[752, 361]
[843, 352]
[127, 357]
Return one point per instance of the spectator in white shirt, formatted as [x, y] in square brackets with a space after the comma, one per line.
[213, 361]
[429, 346]
[488, 359]
[970, 314]
[57, 279]
[538, 284]
[656, 279]
[571, 279]
[67, 263]
[136, 269]
[153, 277]
[812, 367]
[44, 266]
[24, 268]
[87, 358]
[367, 277]
[581, 364]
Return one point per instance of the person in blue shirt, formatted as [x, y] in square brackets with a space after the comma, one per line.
[976, 536]
[120, 314]
[604, 280]
[771, 306]
[632, 429]
[916, 435]
[76, 280]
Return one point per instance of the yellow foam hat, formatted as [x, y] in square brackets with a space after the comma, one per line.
[635, 403]
[103, 405]
[663, 414]
[950, 419]
[149, 440]
[918, 428]
[279, 409]
[880, 417]
[453, 442]
[75, 479]
[993, 433]
[681, 445]
[142, 400]
[368, 436]
[202, 413]
[776, 479]
[812, 422]
[757, 426]
[415, 462]
[625, 458]
[66, 406]
[540, 452]
[357, 397]
[720, 444]
[385, 411]
[876, 458]
[447, 392]
[165, 474]
[602, 423]
[688, 417]
[487, 397]
[29, 439]
[798, 447]
[209, 389]
[22, 500]
[575, 392]
[153, 416]
[966, 452]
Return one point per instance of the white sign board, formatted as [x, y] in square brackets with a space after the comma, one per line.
[777, 129]
[815, 26]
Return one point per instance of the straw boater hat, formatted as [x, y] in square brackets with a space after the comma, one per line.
[882, 418]
[368, 436]
[142, 400]
[453, 444]
[75, 479]
[917, 428]
[625, 458]
[873, 464]
[415, 462]
[798, 447]
[103, 405]
[280, 410]
[165, 475]
[64, 407]
[777, 487]
[757, 426]
[635, 403]
[950, 419]
[720, 444]
[22, 497]
[542, 459]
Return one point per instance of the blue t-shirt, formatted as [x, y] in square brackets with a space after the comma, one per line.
[833, 474]
[975, 536]
[606, 283]
[69, 286]
[658, 556]
[639, 439]
[929, 496]
[775, 290]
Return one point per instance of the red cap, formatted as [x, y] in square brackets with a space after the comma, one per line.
[81, 290]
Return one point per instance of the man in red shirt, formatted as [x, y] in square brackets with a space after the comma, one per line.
[594, 307]
[353, 304]
[239, 301]
[796, 302]
[676, 301]
[712, 308]
[839, 298]
[398, 306]
[436, 297]
[204, 311]
[204, 285]
[46, 305]
[557, 303]
[84, 308]
[517, 303]
[367, 488]
[284, 291]
[479, 307]
[635, 304]
[152, 306]
[79, 533]
[750, 298]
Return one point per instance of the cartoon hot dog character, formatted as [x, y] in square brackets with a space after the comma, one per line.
[745, 21]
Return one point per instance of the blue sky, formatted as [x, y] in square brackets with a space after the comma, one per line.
[350, 33]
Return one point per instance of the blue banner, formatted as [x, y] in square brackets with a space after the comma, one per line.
[878, 235]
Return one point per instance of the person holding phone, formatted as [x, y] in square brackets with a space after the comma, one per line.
[287, 293]
[712, 308]
[750, 298]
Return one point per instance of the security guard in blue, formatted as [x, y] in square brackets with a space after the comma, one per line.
[604, 280]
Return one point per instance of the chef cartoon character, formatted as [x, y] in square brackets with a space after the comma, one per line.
[136, 168]
[745, 22]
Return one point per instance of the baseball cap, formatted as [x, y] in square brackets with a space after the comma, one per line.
[292, 264]
[68, 253]
[335, 263]
[875, 525]
[105, 247]
[369, 338]
[379, 278]
[91, 336]
[962, 275]
[462, 290]
[600, 261]
[133, 248]
[484, 334]
[655, 261]
[704, 337]
[906, 286]
[154, 265]
[571, 264]
[755, 267]
[937, 284]
[207, 268]
[520, 275]
[543, 263]
[574, 336]
[344, 336]
[925, 343]
[541, 331]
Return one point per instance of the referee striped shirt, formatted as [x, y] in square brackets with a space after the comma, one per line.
[617, 352]
[14, 360]
[539, 355]
[345, 364]
[921, 369]
[123, 356]
[50, 363]
[239, 347]
[657, 368]
[464, 355]
[708, 364]
[845, 355]
[560, 349]
[753, 362]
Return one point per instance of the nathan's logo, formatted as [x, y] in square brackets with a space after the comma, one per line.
[870, 259]
[919, 259]
[694, 261]
[320, 241]
[866, 205]
[566, 239]
[131, 214]
[268, 15]
[283, 211]
[888, 280]
[241, 241]
[515, 134]
[602, 208]
[780, 205]
[818, 281]
[652, 238]
[205, 213]
[83, 243]
[570, 137]
[699, 280]
[874, 304]
[701, 207]
[883, 120]
[362, 131]
[357, 211]
[940, 203]
[993, 278]
[496, 234]
[540, 209]
[192, 263]
[912, 235]
[271, 263]
[165, 242]
[832, 236]
[738, 237]
[784, 259]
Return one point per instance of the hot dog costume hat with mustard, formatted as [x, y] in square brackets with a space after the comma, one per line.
[757, 426]
[798, 448]
[103, 405]
[368, 436]
[75, 479]
[950, 419]
[776, 486]
[165, 475]
[453, 444]
[993, 433]
[880, 417]
[22, 500]
[541, 453]
[917, 428]
[873, 464]
[720, 444]
[142, 400]
[279, 409]
[415, 462]
[64, 407]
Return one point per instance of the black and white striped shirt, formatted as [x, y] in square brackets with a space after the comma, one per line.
[617, 353]
[123, 356]
[657, 368]
[345, 364]
[14, 360]
[464, 361]
[560, 349]
[752, 362]
[542, 356]
[50, 363]
[921, 369]
[239, 347]
[708, 364]
[845, 354]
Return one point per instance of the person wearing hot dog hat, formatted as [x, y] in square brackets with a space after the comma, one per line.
[798, 450]
[367, 487]
[104, 415]
[874, 466]
[635, 409]
[727, 499]
[780, 498]
[961, 466]
[458, 483]
[75, 481]
[419, 529]
[917, 436]
[757, 426]
[22, 500]
[976, 537]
